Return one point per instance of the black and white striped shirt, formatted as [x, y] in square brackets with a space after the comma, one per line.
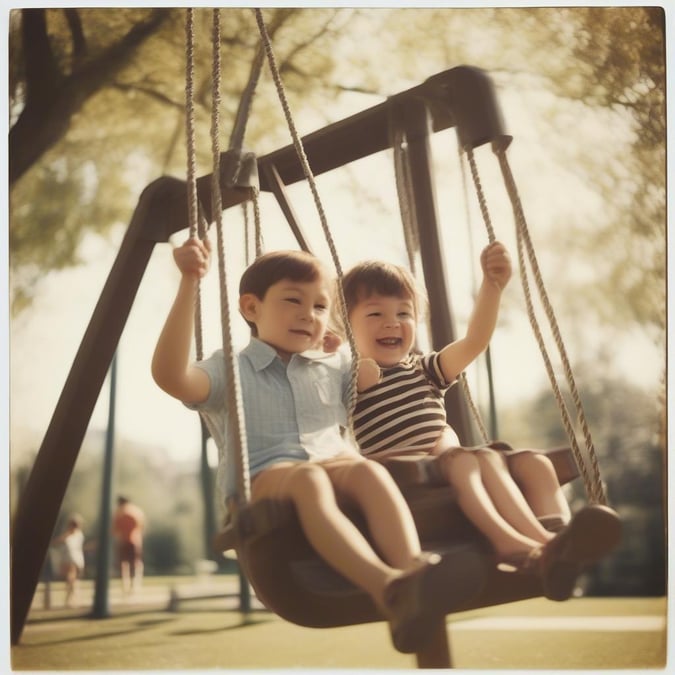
[405, 410]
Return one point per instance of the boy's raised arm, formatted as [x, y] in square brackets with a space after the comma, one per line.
[455, 357]
[172, 369]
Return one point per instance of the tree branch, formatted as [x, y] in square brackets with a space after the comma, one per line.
[52, 99]
[42, 71]
[77, 34]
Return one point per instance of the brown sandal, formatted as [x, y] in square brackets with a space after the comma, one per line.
[416, 600]
[593, 532]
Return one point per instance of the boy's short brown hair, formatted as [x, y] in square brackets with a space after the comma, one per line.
[383, 278]
[274, 266]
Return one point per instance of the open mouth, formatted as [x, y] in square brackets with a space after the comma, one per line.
[390, 342]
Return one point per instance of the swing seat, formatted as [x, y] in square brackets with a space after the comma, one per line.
[290, 579]
[440, 522]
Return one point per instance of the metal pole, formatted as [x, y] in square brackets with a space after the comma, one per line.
[415, 120]
[101, 608]
[207, 494]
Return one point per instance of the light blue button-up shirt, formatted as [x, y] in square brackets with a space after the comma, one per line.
[294, 411]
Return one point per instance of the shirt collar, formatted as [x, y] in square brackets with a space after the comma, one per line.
[261, 355]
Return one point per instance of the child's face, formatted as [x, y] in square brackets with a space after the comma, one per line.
[292, 317]
[384, 328]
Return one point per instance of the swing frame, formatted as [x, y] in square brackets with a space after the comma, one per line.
[462, 97]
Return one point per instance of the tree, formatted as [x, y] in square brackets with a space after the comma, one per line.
[97, 112]
[52, 95]
[624, 422]
[112, 83]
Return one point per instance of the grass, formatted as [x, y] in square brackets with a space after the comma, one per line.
[142, 635]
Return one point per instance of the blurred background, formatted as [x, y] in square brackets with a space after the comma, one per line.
[96, 112]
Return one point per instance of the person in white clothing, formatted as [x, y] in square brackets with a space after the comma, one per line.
[71, 548]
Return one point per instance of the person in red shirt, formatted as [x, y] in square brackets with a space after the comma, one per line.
[128, 526]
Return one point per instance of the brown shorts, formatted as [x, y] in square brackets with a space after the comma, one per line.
[272, 483]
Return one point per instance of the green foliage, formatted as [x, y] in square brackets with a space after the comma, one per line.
[624, 423]
[606, 62]
[128, 127]
[163, 553]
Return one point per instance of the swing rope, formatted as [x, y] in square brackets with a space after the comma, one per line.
[463, 380]
[404, 192]
[594, 486]
[233, 390]
[197, 229]
[193, 204]
[236, 142]
[297, 143]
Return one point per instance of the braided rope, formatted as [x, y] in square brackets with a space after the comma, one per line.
[594, 487]
[463, 380]
[564, 413]
[481, 196]
[259, 244]
[403, 190]
[257, 230]
[247, 234]
[233, 394]
[297, 142]
[193, 204]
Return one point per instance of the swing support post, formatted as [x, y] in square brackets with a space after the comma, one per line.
[161, 211]
[414, 118]
[43, 493]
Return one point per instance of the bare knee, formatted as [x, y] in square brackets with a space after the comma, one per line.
[491, 459]
[457, 465]
[366, 477]
[528, 467]
[307, 481]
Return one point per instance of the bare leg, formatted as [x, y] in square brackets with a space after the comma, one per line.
[71, 584]
[536, 477]
[507, 497]
[370, 487]
[125, 575]
[462, 471]
[137, 576]
[330, 532]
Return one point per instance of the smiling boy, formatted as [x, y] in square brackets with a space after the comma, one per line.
[293, 398]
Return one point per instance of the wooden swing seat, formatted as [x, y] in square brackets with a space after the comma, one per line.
[290, 579]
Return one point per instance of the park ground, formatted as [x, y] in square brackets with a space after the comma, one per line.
[141, 633]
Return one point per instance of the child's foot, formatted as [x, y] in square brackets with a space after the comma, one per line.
[416, 600]
[522, 562]
[593, 532]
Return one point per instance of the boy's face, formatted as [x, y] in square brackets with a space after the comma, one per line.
[384, 328]
[292, 317]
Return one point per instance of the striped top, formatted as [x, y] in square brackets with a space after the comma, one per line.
[405, 410]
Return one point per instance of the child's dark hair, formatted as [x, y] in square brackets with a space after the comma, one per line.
[274, 266]
[383, 278]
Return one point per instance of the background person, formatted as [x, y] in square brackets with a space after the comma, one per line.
[128, 527]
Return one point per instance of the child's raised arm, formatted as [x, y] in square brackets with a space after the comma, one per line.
[172, 369]
[455, 357]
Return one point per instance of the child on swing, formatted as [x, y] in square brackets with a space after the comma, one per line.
[294, 408]
[400, 410]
